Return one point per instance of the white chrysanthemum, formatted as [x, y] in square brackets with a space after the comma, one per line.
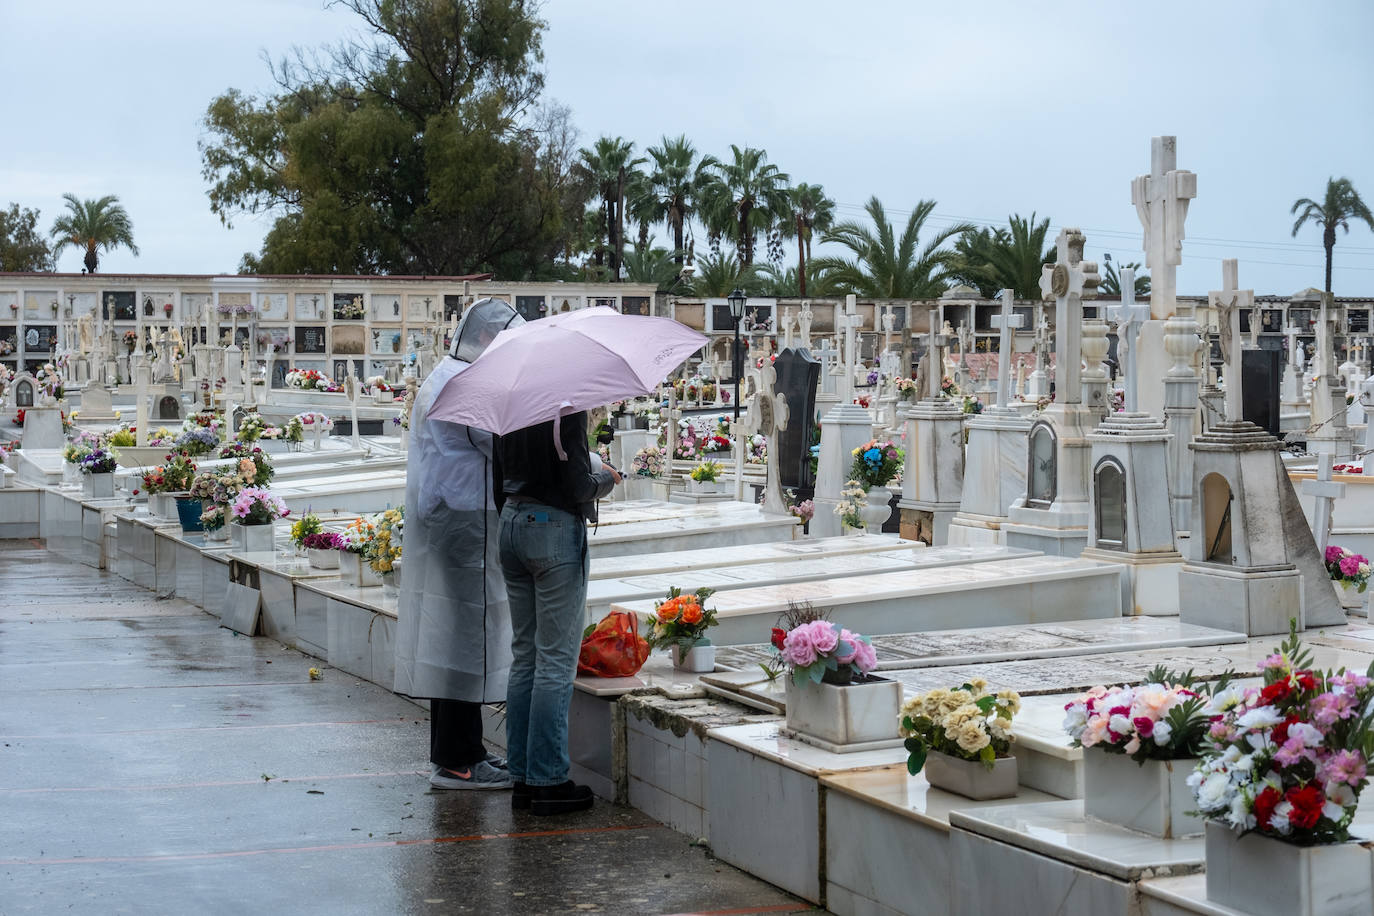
[1215, 792]
[1163, 732]
[1263, 717]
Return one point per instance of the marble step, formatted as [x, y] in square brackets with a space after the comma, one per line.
[807, 567]
[691, 530]
[1022, 590]
[647, 564]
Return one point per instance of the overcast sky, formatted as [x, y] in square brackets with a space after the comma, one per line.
[990, 108]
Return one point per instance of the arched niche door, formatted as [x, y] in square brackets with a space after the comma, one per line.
[1109, 489]
[1041, 473]
[1216, 519]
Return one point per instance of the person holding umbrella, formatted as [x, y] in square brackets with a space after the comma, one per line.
[532, 387]
[453, 634]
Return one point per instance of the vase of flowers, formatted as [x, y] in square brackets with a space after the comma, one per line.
[705, 478]
[1349, 573]
[679, 623]
[354, 567]
[876, 464]
[1142, 744]
[322, 549]
[188, 513]
[384, 549]
[254, 510]
[832, 698]
[962, 739]
[99, 466]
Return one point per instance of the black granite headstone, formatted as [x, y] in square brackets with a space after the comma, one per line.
[310, 340]
[1260, 376]
[798, 374]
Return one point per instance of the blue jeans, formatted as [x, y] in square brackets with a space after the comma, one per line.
[545, 561]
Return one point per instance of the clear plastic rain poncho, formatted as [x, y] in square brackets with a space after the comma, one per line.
[453, 638]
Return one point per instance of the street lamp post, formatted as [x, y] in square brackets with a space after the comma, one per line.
[737, 299]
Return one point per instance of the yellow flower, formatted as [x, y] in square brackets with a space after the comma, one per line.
[315, 674]
[1009, 700]
[1001, 728]
[972, 737]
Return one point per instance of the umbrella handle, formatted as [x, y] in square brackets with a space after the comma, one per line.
[558, 432]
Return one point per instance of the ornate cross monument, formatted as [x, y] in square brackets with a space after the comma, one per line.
[1129, 317]
[769, 407]
[1052, 515]
[1329, 432]
[1229, 302]
[933, 479]
[1007, 323]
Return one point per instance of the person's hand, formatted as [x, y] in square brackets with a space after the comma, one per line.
[614, 473]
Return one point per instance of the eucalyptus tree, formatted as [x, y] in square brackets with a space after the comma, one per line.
[887, 264]
[1341, 204]
[92, 226]
[743, 197]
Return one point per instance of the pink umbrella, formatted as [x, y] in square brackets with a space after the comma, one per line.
[555, 366]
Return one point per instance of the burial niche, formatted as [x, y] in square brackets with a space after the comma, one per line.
[1041, 474]
[1109, 485]
[23, 394]
[1216, 519]
[168, 408]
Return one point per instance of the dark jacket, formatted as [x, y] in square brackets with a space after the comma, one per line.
[533, 472]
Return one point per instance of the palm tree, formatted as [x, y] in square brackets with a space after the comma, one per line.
[1010, 258]
[743, 197]
[1342, 202]
[95, 226]
[886, 266]
[782, 283]
[672, 187]
[1111, 280]
[610, 165]
[811, 210]
[651, 265]
[718, 274]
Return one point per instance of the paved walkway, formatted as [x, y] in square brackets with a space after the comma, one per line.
[152, 762]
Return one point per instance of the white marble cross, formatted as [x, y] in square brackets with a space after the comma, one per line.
[804, 318]
[1066, 281]
[787, 327]
[1229, 303]
[1129, 317]
[1006, 323]
[1326, 338]
[935, 367]
[352, 390]
[770, 409]
[1161, 201]
[1324, 491]
[851, 322]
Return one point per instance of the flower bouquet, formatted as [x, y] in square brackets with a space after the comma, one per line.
[322, 549]
[648, 461]
[354, 544]
[257, 506]
[756, 449]
[823, 651]
[704, 474]
[98, 461]
[906, 389]
[876, 463]
[253, 464]
[385, 547]
[1349, 572]
[251, 429]
[962, 738]
[680, 622]
[306, 525]
[202, 440]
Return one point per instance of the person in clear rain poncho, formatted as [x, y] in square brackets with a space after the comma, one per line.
[453, 639]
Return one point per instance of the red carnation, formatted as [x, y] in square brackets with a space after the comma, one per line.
[779, 634]
[1280, 733]
[1307, 805]
[1306, 681]
[1276, 691]
[1264, 805]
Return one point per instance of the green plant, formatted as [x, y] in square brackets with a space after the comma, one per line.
[122, 438]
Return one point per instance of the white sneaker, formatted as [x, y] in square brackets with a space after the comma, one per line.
[480, 775]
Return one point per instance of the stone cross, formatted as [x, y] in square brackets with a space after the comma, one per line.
[787, 327]
[1066, 282]
[1229, 302]
[1324, 491]
[889, 320]
[851, 322]
[1161, 201]
[770, 408]
[804, 318]
[934, 366]
[1129, 317]
[352, 390]
[1006, 323]
[1326, 338]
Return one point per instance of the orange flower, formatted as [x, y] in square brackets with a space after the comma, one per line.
[691, 613]
[668, 610]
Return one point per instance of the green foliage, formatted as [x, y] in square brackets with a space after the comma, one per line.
[718, 274]
[611, 169]
[417, 150]
[1111, 280]
[1005, 258]
[743, 197]
[1340, 204]
[887, 265]
[671, 188]
[22, 248]
[651, 265]
[93, 226]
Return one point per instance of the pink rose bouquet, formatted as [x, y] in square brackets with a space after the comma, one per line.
[820, 650]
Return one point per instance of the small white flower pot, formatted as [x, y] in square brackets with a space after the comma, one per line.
[700, 659]
[253, 538]
[1152, 797]
[970, 778]
[357, 571]
[876, 508]
[102, 485]
[1349, 595]
[322, 559]
[851, 714]
[218, 535]
[703, 486]
[164, 505]
[1267, 877]
[385, 398]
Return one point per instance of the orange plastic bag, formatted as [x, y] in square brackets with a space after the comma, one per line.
[613, 648]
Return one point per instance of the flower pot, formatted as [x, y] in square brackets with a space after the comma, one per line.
[852, 714]
[1349, 595]
[970, 778]
[357, 571]
[102, 485]
[390, 586]
[1268, 877]
[188, 512]
[700, 659]
[1151, 797]
[253, 538]
[703, 486]
[218, 535]
[876, 509]
[164, 505]
[322, 559]
[385, 398]
[348, 565]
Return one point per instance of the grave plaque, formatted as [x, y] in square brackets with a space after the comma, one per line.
[530, 307]
[798, 374]
[310, 340]
[1260, 377]
[349, 339]
[453, 305]
[117, 305]
[23, 394]
[39, 338]
[168, 408]
[634, 305]
[349, 306]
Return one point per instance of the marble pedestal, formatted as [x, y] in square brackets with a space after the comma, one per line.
[43, 428]
[844, 428]
[96, 404]
[994, 475]
[933, 480]
[1061, 527]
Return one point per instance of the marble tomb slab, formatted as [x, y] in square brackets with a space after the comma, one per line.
[645, 564]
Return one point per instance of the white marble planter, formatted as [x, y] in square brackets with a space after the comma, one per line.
[1268, 877]
[164, 505]
[219, 535]
[357, 571]
[853, 714]
[700, 659]
[1349, 595]
[102, 485]
[385, 398]
[1151, 798]
[253, 538]
[970, 778]
[876, 508]
[704, 486]
[322, 559]
[272, 446]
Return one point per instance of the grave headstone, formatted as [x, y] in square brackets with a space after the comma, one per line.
[168, 408]
[23, 392]
[1259, 374]
[798, 375]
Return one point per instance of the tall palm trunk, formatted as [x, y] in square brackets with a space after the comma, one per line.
[746, 238]
[801, 257]
[675, 216]
[1329, 241]
[618, 248]
[92, 260]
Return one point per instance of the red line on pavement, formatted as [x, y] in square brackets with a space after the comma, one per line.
[775, 908]
[207, 728]
[336, 847]
[209, 785]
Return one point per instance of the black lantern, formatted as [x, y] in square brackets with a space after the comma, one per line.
[737, 299]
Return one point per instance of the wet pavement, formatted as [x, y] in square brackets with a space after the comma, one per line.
[152, 762]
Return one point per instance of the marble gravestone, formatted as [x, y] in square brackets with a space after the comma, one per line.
[798, 375]
[845, 427]
[1260, 377]
[933, 478]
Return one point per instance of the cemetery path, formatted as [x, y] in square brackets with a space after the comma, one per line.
[153, 762]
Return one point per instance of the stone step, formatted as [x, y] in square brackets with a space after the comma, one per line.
[647, 564]
[693, 531]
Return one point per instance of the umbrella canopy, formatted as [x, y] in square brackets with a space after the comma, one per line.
[563, 364]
